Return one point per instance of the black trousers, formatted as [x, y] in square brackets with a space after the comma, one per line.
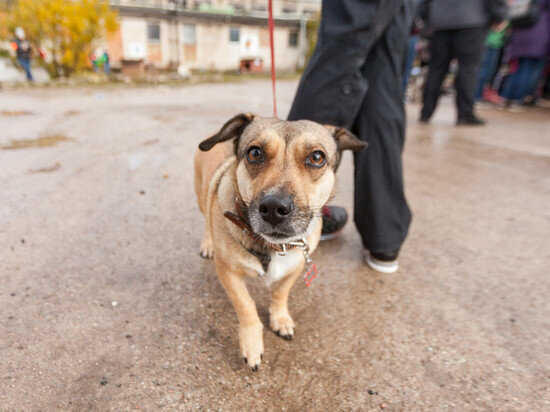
[354, 80]
[466, 45]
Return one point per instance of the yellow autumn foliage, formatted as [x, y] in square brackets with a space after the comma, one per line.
[68, 29]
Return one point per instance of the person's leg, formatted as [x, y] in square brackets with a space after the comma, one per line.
[546, 87]
[411, 53]
[535, 76]
[520, 80]
[468, 46]
[484, 75]
[440, 57]
[332, 87]
[493, 64]
[486, 71]
[26, 64]
[509, 87]
[381, 213]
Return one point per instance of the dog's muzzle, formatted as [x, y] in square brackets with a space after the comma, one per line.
[277, 217]
[275, 209]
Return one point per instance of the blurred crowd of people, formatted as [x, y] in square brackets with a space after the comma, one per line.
[497, 52]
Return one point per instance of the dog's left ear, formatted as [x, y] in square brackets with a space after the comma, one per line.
[231, 129]
[346, 140]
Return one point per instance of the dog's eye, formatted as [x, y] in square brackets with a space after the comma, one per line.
[254, 154]
[317, 159]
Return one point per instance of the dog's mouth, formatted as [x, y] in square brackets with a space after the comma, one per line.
[280, 237]
[291, 230]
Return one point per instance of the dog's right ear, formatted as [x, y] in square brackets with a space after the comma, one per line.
[230, 130]
[346, 140]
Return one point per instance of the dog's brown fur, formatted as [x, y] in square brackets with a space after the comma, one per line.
[223, 173]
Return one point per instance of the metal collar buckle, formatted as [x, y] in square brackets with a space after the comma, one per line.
[298, 244]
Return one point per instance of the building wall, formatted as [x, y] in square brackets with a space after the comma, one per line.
[212, 48]
[133, 33]
[280, 7]
[114, 45]
[215, 51]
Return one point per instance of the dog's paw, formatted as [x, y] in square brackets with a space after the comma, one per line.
[281, 323]
[251, 342]
[207, 251]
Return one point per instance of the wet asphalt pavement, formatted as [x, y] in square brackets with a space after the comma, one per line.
[105, 303]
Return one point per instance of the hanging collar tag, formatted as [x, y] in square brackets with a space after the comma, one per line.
[311, 268]
[311, 273]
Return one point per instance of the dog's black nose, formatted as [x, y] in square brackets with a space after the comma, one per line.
[275, 208]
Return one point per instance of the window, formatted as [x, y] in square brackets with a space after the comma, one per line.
[293, 39]
[234, 34]
[189, 35]
[153, 33]
[239, 8]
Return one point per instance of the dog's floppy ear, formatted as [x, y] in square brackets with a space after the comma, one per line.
[346, 140]
[233, 128]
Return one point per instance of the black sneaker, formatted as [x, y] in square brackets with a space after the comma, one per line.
[334, 220]
[470, 121]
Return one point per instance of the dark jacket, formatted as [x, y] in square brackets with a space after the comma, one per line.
[23, 49]
[463, 14]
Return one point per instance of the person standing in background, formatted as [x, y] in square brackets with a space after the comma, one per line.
[23, 51]
[459, 31]
[354, 80]
[106, 63]
[528, 54]
[493, 47]
[411, 53]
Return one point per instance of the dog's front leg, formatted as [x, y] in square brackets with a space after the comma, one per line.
[279, 317]
[251, 339]
[207, 250]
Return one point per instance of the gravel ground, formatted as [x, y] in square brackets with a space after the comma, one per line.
[105, 303]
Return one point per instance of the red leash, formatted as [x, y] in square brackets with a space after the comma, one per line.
[271, 28]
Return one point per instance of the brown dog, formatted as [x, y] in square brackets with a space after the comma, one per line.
[262, 198]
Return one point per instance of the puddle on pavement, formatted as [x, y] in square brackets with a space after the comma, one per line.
[55, 167]
[44, 141]
[161, 118]
[150, 142]
[15, 112]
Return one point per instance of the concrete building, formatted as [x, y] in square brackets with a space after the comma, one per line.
[213, 35]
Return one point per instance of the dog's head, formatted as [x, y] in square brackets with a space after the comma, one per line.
[285, 171]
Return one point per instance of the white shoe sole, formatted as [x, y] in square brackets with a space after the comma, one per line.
[329, 236]
[380, 266]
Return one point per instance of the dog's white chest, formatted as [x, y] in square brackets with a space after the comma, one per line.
[280, 266]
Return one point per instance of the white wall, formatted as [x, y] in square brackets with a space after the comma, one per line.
[134, 37]
[214, 51]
